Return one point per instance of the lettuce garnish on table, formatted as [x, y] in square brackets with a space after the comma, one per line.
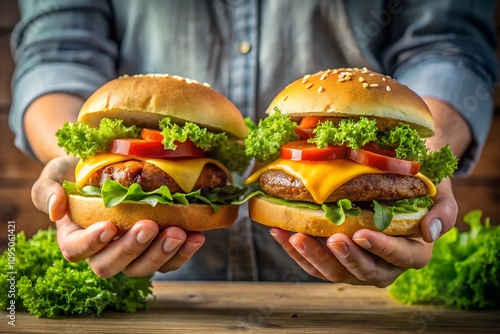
[464, 271]
[47, 285]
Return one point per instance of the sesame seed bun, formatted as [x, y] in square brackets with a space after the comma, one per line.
[144, 100]
[86, 211]
[315, 223]
[355, 92]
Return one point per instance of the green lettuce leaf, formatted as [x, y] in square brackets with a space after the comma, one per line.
[439, 165]
[406, 142]
[264, 142]
[384, 211]
[113, 193]
[350, 132]
[230, 152]
[49, 286]
[344, 208]
[464, 271]
[82, 141]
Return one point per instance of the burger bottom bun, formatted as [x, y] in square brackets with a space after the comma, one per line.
[86, 211]
[315, 223]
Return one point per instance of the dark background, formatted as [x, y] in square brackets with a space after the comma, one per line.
[17, 172]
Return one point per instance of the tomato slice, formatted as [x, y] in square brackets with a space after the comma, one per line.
[155, 149]
[372, 147]
[383, 162]
[303, 151]
[153, 135]
[309, 123]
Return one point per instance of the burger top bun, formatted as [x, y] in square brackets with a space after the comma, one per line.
[144, 100]
[348, 92]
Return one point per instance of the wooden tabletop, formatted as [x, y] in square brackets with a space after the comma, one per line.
[220, 307]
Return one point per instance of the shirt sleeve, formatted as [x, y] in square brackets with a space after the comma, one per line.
[446, 50]
[63, 46]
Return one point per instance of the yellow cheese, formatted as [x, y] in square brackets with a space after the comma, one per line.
[184, 172]
[321, 178]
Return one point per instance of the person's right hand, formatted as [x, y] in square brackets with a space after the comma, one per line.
[138, 252]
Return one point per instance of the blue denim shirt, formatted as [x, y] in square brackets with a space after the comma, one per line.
[249, 51]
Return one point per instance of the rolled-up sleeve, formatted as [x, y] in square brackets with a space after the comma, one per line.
[59, 46]
[446, 50]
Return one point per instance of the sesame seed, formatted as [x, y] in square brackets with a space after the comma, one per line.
[342, 79]
[348, 69]
[356, 69]
[286, 97]
[206, 84]
[307, 76]
[388, 88]
[321, 89]
[323, 77]
[361, 79]
[374, 85]
[383, 79]
[304, 81]
[388, 76]
[372, 74]
[335, 71]
[309, 85]
[365, 85]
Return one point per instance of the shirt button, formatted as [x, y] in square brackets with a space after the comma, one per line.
[244, 47]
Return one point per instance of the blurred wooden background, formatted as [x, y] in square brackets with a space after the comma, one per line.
[17, 172]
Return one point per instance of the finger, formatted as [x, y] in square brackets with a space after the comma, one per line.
[397, 251]
[283, 238]
[194, 241]
[163, 248]
[46, 193]
[121, 252]
[442, 216]
[77, 244]
[322, 259]
[363, 266]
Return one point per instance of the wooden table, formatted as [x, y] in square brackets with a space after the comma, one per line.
[220, 307]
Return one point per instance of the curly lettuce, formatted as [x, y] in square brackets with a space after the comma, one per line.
[49, 286]
[82, 141]
[439, 165]
[228, 151]
[352, 133]
[464, 271]
[264, 141]
[405, 141]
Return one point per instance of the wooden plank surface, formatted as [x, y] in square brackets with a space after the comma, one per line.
[220, 307]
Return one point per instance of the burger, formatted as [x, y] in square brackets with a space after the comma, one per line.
[342, 150]
[155, 147]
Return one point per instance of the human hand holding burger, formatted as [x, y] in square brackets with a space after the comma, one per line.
[133, 177]
[363, 160]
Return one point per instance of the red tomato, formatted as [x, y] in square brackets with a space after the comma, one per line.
[372, 147]
[308, 124]
[154, 149]
[302, 150]
[385, 163]
[153, 135]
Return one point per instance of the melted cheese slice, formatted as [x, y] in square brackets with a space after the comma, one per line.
[184, 172]
[322, 178]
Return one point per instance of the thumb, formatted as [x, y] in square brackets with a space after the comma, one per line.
[48, 196]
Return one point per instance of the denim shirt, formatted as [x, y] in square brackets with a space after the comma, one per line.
[249, 51]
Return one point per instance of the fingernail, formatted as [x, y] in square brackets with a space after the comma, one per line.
[363, 243]
[50, 202]
[170, 244]
[277, 238]
[435, 228]
[191, 246]
[144, 236]
[106, 236]
[339, 248]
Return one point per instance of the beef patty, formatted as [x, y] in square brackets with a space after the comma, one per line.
[368, 187]
[150, 177]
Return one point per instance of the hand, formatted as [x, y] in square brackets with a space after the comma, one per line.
[138, 252]
[370, 257]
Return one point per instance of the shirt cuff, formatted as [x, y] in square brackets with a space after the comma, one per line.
[73, 79]
[458, 86]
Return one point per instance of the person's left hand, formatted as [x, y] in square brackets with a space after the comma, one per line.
[370, 257]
